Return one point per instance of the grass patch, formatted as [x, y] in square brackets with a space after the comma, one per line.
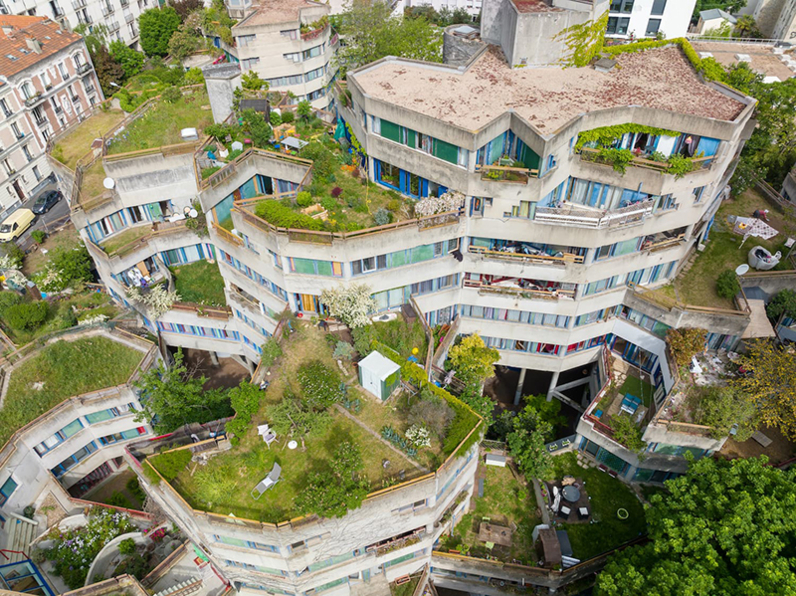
[224, 485]
[66, 239]
[200, 283]
[723, 250]
[91, 184]
[78, 142]
[607, 496]
[506, 501]
[102, 363]
[406, 589]
[635, 386]
[162, 123]
[117, 241]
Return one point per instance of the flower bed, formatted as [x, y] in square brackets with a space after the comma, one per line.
[74, 549]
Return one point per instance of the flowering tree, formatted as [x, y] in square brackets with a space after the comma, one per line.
[9, 262]
[158, 299]
[449, 201]
[352, 305]
[419, 436]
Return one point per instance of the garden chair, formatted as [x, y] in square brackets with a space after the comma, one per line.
[267, 482]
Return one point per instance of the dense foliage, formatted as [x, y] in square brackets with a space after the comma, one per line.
[156, 26]
[727, 285]
[686, 343]
[351, 304]
[725, 528]
[783, 304]
[320, 385]
[171, 463]
[722, 407]
[131, 61]
[245, 400]
[26, 315]
[275, 213]
[527, 440]
[338, 488]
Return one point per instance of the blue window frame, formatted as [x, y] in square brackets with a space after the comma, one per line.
[9, 486]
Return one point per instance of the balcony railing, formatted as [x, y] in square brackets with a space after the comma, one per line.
[106, 10]
[77, 4]
[506, 174]
[84, 68]
[40, 120]
[90, 89]
[19, 135]
[655, 245]
[552, 294]
[526, 258]
[128, 17]
[584, 217]
[664, 167]
[113, 26]
[33, 99]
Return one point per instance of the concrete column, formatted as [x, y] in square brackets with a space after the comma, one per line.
[518, 394]
[213, 358]
[553, 384]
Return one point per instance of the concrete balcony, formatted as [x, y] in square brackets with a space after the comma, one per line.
[520, 292]
[523, 259]
[508, 175]
[587, 217]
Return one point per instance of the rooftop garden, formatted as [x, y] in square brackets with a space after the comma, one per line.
[199, 282]
[77, 142]
[507, 502]
[50, 376]
[113, 243]
[627, 405]
[723, 252]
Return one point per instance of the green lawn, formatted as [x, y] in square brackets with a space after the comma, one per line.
[723, 251]
[162, 123]
[406, 589]
[77, 143]
[67, 368]
[117, 241]
[635, 386]
[607, 496]
[224, 485]
[92, 183]
[200, 282]
[506, 501]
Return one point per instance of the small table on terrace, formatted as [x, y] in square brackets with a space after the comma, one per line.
[571, 493]
[491, 533]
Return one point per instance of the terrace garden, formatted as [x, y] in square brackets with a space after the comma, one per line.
[199, 282]
[50, 376]
[321, 421]
[77, 142]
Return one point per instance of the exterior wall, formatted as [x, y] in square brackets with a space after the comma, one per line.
[473, 7]
[674, 23]
[61, 102]
[789, 186]
[785, 28]
[262, 48]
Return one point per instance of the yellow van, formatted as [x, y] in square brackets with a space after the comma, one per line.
[15, 224]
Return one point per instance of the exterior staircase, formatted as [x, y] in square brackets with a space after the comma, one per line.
[20, 533]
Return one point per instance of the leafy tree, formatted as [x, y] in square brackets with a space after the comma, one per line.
[352, 304]
[156, 26]
[194, 76]
[258, 129]
[472, 360]
[252, 81]
[725, 528]
[182, 43]
[431, 412]
[685, 343]
[771, 384]
[746, 26]
[95, 36]
[721, 407]
[294, 418]
[26, 316]
[727, 285]
[131, 61]
[628, 434]
[549, 410]
[11, 255]
[172, 94]
[108, 71]
[174, 397]
[304, 110]
[338, 488]
[271, 351]
[527, 443]
[730, 6]
[186, 7]
[8, 298]
[784, 303]
[372, 32]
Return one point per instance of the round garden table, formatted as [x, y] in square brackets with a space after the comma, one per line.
[571, 493]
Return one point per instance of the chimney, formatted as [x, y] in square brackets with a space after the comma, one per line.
[34, 44]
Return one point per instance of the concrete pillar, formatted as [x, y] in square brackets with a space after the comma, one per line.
[553, 384]
[518, 394]
[213, 358]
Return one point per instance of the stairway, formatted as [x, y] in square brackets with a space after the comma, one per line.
[189, 586]
[21, 532]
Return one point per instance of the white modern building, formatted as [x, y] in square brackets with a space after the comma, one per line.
[649, 18]
[776, 19]
[47, 83]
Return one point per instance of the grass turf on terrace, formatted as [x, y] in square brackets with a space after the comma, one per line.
[67, 368]
[161, 124]
[117, 241]
[200, 283]
[224, 485]
[77, 142]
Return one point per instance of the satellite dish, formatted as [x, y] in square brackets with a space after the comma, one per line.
[741, 269]
[193, 213]
[109, 183]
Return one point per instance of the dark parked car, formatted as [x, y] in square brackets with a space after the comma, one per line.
[46, 201]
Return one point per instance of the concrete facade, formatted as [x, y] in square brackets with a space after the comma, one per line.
[648, 18]
[776, 19]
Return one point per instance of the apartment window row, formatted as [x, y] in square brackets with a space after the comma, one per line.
[315, 267]
[110, 413]
[525, 248]
[597, 316]
[416, 506]
[59, 437]
[245, 543]
[252, 323]
[287, 80]
[406, 182]
[261, 569]
[7, 489]
[125, 435]
[313, 52]
[245, 40]
[399, 258]
[249, 63]
[420, 141]
[510, 147]
[514, 316]
[252, 345]
[74, 459]
[456, 474]
[618, 249]
[545, 349]
[315, 74]
[253, 275]
[397, 297]
[211, 332]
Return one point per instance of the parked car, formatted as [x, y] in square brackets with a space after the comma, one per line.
[46, 201]
[15, 224]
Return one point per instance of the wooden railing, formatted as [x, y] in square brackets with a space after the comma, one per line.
[162, 229]
[655, 297]
[211, 312]
[698, 163]
[520, 292]
[226, 234]
[662, 244]
[525, 258]
[506, 174]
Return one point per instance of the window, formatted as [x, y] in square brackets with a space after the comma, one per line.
[698, 192]
[312, 52]
[37, 173]
[248, 63]
[618, 26]
[125, 435]
[625, 6]
[658, 7]
[290, 33]
[74, 459]
[314, 74]
[27, 90]
[104, 415]
[62, 435]
[6, 110]
[292, 56]
[245, 40]
[653, 26]
[9, 486]
[315, 267]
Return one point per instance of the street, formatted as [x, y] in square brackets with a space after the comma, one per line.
[59, 211]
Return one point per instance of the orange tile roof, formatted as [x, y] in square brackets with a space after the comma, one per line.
[15, 30]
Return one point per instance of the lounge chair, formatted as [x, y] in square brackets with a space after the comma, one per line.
[267, 482]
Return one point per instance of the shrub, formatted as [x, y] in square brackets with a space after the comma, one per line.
[276, 118]
[271, 351]
[394, 205]
[38, 236]
[304, 199]
[245, 399]
[15, 254]
[287, 117]
[337, 191]
[127, 546]
[194, 76]
[172, 463]
[134, 488]
[117, 499]
[685, 343]
[7, 300]
[172, 94]
[343, 351]
[382, 217]
[320, 385]
[328, 203]
[431, 412]
[727, 285]
[279, 215]
[26, 315]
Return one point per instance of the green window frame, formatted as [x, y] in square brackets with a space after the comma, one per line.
[446, 151]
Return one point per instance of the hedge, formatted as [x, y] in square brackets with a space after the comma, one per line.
[282, 216]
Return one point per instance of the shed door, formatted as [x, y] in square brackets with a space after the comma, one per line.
[371, 383]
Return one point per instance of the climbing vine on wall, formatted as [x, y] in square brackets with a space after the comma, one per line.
[606, 135]
[584, 41]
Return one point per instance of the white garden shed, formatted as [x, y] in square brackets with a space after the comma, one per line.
[379, 375]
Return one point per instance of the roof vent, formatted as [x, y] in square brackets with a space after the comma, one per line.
[466, 31]
[604, 65]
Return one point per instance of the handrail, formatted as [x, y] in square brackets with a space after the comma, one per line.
[670, 303]
[581, 216]
[593, 156]
[522, 292]
[502, 171]
[567, 258]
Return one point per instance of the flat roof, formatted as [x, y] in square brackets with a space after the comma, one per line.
[272, 12]
[765, 59]
[549, 97]
[526, 6]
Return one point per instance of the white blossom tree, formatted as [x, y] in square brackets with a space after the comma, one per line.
[449, 201]
[352, 305]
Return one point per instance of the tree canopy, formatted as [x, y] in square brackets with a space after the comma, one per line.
[725, 528]
[156, 26]
[527, 442]
[339, 487]
[783, 304]
[372, 32]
